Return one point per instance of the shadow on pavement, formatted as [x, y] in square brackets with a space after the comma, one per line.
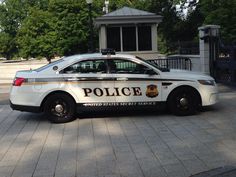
[4, 98]
[227, 171]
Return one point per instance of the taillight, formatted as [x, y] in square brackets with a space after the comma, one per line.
[18, 81]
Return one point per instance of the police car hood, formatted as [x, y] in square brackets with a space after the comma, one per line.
[184, 74]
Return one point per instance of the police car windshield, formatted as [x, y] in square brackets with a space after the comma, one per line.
[154, 64]
[48, 65]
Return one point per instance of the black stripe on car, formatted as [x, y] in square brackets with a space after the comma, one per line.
[77, 79]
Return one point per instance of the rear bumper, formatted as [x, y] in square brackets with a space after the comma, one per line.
[24, 108]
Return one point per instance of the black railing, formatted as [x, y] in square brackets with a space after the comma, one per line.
[175, 62]
[225, 65]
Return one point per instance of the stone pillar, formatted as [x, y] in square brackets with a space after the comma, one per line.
[205, 35]
[102, 37]
[154, 37]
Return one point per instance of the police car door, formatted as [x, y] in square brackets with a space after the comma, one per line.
[89, 80]
[136, 84]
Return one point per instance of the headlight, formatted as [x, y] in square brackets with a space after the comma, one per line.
[207, 82]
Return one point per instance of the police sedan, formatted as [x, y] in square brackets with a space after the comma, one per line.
[103, 80]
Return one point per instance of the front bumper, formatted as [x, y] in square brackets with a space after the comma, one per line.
[209, 95]
[24, 108]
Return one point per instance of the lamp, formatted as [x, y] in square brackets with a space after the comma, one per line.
[91, 49]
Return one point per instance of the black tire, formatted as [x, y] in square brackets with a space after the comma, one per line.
[183, 101]
[60, 108]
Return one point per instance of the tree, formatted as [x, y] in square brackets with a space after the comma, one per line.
[71, 25]
[12, 13]
[11, 16]
[220, 12]
[60, 27]
[169, 28]
[7, 45]
[37, 37]
[59, 30]
[216, 12]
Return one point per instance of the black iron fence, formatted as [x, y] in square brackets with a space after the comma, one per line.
[225, 65]
[174, 62]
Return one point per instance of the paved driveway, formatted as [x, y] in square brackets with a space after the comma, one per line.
[137, 145]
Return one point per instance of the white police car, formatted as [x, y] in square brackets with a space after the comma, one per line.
[62, 88]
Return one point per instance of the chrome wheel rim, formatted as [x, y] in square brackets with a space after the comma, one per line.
[59, 108]
[183, 102]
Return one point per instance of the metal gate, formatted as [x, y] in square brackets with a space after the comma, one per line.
[225, 65]
[174, 62]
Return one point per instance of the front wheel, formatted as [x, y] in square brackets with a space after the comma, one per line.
[183, 102]
[60, 108]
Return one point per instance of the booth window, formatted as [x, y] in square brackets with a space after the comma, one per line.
[144, 38]
[129, 38]
[113, 38]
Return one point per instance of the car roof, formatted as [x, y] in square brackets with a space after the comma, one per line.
[92, 56]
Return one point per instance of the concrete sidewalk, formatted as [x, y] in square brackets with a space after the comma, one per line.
[134, 145]
[4, 93]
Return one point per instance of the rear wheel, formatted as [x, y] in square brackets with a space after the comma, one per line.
[183, 101]
[60, 108]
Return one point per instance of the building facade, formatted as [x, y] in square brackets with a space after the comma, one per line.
[129, 30]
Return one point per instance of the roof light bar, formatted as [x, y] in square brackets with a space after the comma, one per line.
[108, 51]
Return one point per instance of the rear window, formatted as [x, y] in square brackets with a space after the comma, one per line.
[87, 66]
[49, 65]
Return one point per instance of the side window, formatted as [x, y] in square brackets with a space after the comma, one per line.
[88, 66]
[121, 66]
